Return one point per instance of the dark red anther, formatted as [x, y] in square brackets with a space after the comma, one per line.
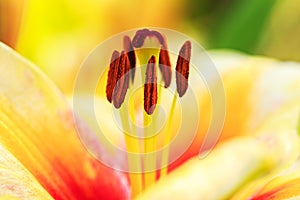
[122, 84]
[112, 75]
[131, 55]
[150, 91]
[182, 68]
[165, 66]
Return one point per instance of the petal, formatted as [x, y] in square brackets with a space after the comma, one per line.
[37, 128]
[284, 124]
[281, 187]
[255, 88]
[16, 181]
[217, 176]
[233, 163]
[10, 14]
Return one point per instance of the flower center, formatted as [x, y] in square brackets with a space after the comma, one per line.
[150, 49]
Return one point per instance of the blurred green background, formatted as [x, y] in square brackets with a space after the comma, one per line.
[58, 34]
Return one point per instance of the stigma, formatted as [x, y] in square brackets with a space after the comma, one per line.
[150, 47]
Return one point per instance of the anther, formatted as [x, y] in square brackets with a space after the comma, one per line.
[150, 91]
[112, 75]
[182, 68]
[131, 55]
[165, 66]
[122, 81]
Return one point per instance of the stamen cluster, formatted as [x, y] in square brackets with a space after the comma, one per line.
[122, 63]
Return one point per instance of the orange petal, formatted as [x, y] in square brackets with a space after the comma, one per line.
[37, 128]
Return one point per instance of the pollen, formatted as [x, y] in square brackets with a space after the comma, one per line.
[118, 78]
[150, 92]
[182, 68]
[123, 66]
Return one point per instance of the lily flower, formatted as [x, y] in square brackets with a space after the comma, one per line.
[48, 155]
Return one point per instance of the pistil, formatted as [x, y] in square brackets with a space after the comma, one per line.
[147, 47]
[116, 89]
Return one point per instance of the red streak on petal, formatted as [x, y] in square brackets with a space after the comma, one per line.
[285, 190]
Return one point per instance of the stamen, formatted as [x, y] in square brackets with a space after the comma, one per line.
[165, 66]
[112, 75]
[165, 155]
[144, 45]
[150, 92]
[128, 47]
[182, 68]
[150, 101]
[122, 81]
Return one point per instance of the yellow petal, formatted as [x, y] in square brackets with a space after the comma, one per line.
[16, 182]
[233, 163]
[284, 123]
[37, 128]
[281, 187]
[255, 87]
[216, 176]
